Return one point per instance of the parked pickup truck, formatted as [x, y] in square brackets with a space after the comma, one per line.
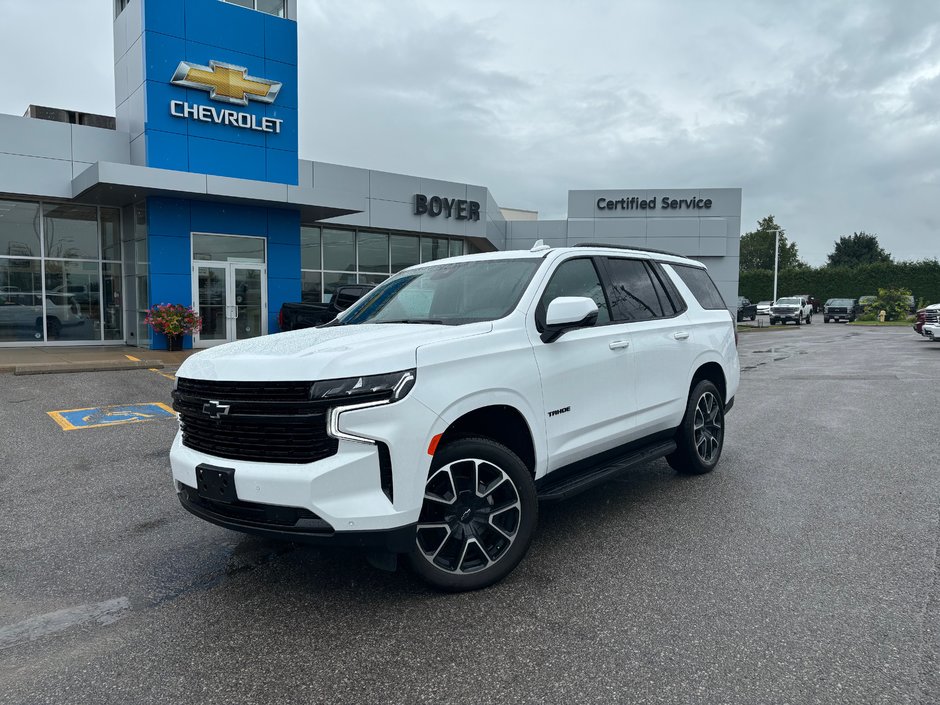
[840, 310]
[791, 308]
[294, 316]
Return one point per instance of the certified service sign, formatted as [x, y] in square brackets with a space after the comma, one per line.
[225, 83]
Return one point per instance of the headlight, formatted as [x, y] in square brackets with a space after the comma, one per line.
[393, 386]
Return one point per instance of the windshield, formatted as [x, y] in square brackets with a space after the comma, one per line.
[841, 302]
[788, 302]
[447, 294]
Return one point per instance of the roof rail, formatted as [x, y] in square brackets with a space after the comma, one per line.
[629, 247]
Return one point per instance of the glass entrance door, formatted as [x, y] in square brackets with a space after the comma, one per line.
[231, 298]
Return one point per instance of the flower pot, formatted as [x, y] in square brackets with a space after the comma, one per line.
[174, 342]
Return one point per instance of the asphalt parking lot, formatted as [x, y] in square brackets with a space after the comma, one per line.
[803, 570]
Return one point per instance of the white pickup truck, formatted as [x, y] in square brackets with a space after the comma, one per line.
[791, 308]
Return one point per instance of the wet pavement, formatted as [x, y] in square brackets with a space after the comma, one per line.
[803, 570]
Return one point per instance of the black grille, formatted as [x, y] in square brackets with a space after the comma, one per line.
[253, 514]
[838, 309]
[264, 421]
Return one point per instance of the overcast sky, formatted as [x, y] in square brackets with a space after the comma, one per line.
[826, 114]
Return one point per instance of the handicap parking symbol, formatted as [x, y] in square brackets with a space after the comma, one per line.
[111, 415]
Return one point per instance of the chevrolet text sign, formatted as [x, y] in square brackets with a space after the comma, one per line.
[225, 83]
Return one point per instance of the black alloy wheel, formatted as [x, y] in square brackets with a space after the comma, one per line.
[478, 517]
[701, 435]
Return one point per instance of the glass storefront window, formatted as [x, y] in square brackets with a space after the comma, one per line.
[373, 252]
[271, 7]
[71, 231]
[110, 234]
[339, 250]
[334, 280]
[433, 248]
[405, 251]
[73, 300]
[374, 279]
[228, 248]
[311, 287]
[456, 248]
[19, 229]
[310, 248]
[20, 300]
[113, 301]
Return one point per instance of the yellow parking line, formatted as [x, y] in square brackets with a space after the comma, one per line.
[132, 358]
[162, 374]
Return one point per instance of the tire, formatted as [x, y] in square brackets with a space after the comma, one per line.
[773, 321]
[753, 318]
[825, 319]
[799, 320]
[466, 540]
[701, 435]
[809, 319]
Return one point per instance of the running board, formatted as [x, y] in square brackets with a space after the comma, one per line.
[570, 485]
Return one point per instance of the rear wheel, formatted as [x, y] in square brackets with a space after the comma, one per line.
[701, 435]
[478, 517]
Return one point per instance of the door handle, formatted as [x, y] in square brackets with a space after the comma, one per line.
[619, 344]
[681, 335]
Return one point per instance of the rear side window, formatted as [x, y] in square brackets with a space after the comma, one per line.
[701, 285]
[633, 296]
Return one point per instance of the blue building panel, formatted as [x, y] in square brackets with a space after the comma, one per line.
[168, 217]
[162, 54]
[227, 159]
[284, 261]
[225, 25]
[169, 255]
[228, 219]
[280, 40]
[166, 150]
[172, 288]
[284, 227]
[224, 138]
[281, 166]
[165, 17]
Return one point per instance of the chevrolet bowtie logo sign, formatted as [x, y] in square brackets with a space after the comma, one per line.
[226, 83]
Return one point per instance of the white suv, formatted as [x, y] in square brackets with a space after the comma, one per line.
[431, 417]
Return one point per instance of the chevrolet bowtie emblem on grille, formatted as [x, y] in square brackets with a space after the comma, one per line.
[226, 83]
[215, 410]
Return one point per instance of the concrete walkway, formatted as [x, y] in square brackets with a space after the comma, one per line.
[48, 360]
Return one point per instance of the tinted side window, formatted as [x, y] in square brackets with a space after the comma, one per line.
[632, 295]
[675, 298]
[576, 277]
[701, 285]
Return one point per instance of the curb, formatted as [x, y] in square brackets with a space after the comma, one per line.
[47, 368]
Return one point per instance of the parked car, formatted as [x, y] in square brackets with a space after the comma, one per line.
[746, 309]
[763, 308]
[932, 331]
[791, 308]
[929, 314]
[294, 316]
[24, 311]
[432, 417]
[864, 302]
[840, 310]
[812, 300]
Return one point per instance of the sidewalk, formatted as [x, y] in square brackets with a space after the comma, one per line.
[48, 360]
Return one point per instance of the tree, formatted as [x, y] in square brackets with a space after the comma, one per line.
[757, 248]
[857, 248]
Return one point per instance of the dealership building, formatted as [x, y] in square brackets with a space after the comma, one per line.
[195, 193]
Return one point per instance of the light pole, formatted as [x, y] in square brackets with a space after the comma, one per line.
[777, 231]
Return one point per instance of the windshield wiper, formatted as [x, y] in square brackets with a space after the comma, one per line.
[434, 321]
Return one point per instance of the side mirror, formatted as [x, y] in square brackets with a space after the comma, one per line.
[568, 313]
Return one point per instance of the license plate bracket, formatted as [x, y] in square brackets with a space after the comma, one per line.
[216, 484]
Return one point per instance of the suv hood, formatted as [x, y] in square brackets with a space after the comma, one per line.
[324, 353]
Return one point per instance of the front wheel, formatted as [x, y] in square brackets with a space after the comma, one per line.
[478, 518]
[809, 319]
[701, 435]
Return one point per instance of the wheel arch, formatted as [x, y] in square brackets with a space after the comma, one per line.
[502, 423]
[713, 372]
